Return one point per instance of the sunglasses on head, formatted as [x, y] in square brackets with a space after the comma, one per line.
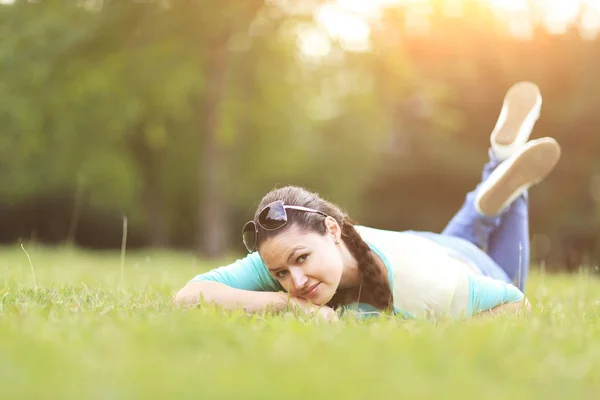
[270, 218]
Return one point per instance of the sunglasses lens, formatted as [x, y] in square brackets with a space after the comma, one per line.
[273, 216]
[249, 236]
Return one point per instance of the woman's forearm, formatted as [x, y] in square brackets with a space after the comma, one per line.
[513, 307]
[229, 298]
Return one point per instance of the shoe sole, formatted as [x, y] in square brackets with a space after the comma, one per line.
[520, 101]
[528, 167]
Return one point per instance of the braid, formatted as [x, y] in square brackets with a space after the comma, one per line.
[374, 288]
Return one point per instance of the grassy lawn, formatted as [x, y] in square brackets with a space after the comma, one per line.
[89, 331]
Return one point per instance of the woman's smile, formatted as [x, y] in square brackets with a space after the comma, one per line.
[312, 290]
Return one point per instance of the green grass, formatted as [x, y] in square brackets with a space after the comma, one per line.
[86, 332]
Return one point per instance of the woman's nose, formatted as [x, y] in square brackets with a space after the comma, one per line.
[298, 277]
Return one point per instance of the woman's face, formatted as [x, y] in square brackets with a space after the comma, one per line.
[307, 265]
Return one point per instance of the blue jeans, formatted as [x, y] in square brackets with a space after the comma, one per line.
[498, 245]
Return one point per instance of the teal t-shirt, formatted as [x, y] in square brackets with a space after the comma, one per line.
[250, 273]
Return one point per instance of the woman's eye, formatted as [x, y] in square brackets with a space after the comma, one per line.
[281, 274]
[302, 258]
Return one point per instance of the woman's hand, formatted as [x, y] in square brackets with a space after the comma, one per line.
[322, 312]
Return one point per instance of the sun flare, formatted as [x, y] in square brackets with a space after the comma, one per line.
[347, 21]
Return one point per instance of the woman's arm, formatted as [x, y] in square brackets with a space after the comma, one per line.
[487, 295]
[229, 298]
[244, 283]
[250, 301]
[509, 308]
[476, 295]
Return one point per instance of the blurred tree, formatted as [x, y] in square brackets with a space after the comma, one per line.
[181, 115]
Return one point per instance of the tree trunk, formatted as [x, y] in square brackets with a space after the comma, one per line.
[213, 215]
[153, 203]
[152, 197]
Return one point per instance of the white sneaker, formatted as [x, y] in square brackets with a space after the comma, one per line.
[528, 166]
[520, 111]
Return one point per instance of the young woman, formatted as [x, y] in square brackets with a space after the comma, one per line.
[306, 252]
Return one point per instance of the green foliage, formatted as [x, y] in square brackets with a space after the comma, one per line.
[114, 98]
